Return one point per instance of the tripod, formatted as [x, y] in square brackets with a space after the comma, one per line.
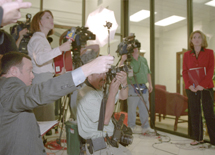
[63, 112]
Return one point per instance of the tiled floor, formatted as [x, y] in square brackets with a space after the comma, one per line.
[151, 145]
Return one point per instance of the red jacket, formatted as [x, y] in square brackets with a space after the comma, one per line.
[205, 59]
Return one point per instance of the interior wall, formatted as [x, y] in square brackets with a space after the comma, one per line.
[169, 43]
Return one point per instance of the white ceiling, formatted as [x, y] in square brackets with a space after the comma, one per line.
[69, 12]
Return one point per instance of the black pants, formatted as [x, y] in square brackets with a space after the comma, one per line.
[194, 100]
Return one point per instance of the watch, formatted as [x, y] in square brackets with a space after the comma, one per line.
[124, 87]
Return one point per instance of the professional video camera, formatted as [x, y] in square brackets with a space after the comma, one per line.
[122, 134]
[14, 31]
[127, 46]
[79, 36]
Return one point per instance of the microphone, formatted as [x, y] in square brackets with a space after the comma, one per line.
[71, 34]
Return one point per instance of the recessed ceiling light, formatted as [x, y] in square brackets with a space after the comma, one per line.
[211, 3]
[140, 15]
[169, 20]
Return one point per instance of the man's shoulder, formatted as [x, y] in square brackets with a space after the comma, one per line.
[86, 91]
[9, 84]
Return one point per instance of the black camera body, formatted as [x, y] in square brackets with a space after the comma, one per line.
[127, 45]
[80, 35]
[14, 31]
[83, 34]
[110, 75]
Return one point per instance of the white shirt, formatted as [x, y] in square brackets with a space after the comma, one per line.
[88, 110]
[41, 53]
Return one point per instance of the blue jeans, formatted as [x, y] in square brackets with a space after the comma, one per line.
[133, 102]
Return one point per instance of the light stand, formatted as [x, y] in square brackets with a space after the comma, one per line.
[108, 25]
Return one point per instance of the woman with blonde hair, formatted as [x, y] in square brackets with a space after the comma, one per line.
[198, 70]
[42, 56]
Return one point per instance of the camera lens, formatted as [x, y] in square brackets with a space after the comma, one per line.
[126, 139]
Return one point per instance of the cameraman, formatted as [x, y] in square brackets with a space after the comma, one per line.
[142, 75]
[9, 13]
[88, 109]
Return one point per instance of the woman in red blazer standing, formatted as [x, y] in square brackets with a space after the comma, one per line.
[199, 59]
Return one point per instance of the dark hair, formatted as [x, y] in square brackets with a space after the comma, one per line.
[11, 59]
[35, 23]
[49, 39]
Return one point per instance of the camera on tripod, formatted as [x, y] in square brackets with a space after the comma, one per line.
[127, 45]
[83, 34]
[14, 31]
[79, 37]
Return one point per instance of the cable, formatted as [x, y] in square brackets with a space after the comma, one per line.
[153, 145]
[142, 98]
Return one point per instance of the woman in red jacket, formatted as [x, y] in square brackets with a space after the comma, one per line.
[198, 70]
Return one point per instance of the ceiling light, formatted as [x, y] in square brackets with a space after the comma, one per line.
[140, 15]
[169, 20]
[211, 3]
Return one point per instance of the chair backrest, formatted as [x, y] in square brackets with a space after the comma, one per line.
[160, 86]
[176, 104]
[160, 99]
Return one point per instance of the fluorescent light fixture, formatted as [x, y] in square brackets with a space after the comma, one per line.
[142, 51]
[169, 20]
[211, 3]
[140, 15]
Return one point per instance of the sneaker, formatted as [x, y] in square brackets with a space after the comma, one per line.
[136, 129]
[147, 130]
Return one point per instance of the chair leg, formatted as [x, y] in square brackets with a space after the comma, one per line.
[176, 123]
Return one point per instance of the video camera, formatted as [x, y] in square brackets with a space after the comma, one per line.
[79, 36]
[14, 31]
[122, 134]
[127, 45]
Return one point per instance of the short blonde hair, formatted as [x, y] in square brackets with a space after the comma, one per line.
[35, 23]
[204, 41]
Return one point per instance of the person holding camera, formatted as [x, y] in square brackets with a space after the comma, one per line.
[89, 100]
[141, 75]
[9, 13]
[20, 133]
[42, 56]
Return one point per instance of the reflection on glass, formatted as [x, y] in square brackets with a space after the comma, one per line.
[170, 105]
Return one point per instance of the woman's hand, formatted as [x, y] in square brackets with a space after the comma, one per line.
[66, 46]
[200, 88]
[192, 89]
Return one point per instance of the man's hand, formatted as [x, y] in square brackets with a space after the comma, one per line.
[100, 65]
[23, 32]
[114, 87]
[122, 77]
[150, 88]
[11, 11]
